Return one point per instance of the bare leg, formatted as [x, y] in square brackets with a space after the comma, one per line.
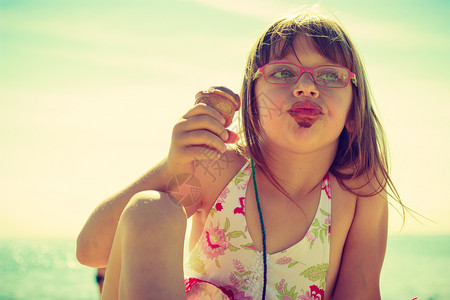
[146, 260]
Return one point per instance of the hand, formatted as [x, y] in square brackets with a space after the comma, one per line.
[199, 135]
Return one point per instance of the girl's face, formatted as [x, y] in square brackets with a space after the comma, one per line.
[302, 117]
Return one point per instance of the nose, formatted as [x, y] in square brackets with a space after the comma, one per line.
[306, 86]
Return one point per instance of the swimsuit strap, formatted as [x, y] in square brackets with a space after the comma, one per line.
[261, 220]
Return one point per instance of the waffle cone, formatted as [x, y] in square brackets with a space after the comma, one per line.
[223, 100]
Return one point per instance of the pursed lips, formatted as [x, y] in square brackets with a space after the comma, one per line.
[307, 108]
[305, 113]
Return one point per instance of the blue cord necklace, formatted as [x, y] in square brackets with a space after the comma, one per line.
[263, 231]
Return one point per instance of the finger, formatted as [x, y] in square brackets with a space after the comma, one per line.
[202, 122]
[202, 138]
[203, 109]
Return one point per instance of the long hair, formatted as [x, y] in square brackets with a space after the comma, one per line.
[362, 148]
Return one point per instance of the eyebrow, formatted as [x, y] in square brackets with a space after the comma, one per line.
[327, 63]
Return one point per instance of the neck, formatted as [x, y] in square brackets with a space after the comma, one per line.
[298, 173]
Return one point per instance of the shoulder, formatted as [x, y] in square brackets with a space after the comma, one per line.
[370, 182]
[366, 196]
[371, 203]
[365, 244]
[214, 175]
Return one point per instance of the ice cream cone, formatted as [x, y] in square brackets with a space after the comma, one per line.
[222, 99]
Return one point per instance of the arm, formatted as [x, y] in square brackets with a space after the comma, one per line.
[200, 127]
[364, 250]
[96, 237]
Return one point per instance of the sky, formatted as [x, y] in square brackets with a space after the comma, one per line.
[90, 91]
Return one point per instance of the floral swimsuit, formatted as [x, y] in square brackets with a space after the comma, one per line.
[225, 263]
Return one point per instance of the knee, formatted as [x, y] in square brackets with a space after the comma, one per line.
[154, 212]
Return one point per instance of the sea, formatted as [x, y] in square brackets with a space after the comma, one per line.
[415, 267]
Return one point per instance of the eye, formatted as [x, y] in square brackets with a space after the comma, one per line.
[331, 76]
[282, 73]
[281, 70]
[328, 76]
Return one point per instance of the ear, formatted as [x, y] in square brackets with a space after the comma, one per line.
[350, 125]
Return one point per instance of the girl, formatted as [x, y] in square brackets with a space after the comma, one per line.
[298, 210]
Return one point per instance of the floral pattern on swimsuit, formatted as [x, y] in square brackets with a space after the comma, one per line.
[226, 262]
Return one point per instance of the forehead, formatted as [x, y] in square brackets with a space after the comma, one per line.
[301, 50]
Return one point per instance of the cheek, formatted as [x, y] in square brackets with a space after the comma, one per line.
[269, 106]
[341, 103]
[347, 99]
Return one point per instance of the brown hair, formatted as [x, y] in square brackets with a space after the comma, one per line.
[361, 149]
